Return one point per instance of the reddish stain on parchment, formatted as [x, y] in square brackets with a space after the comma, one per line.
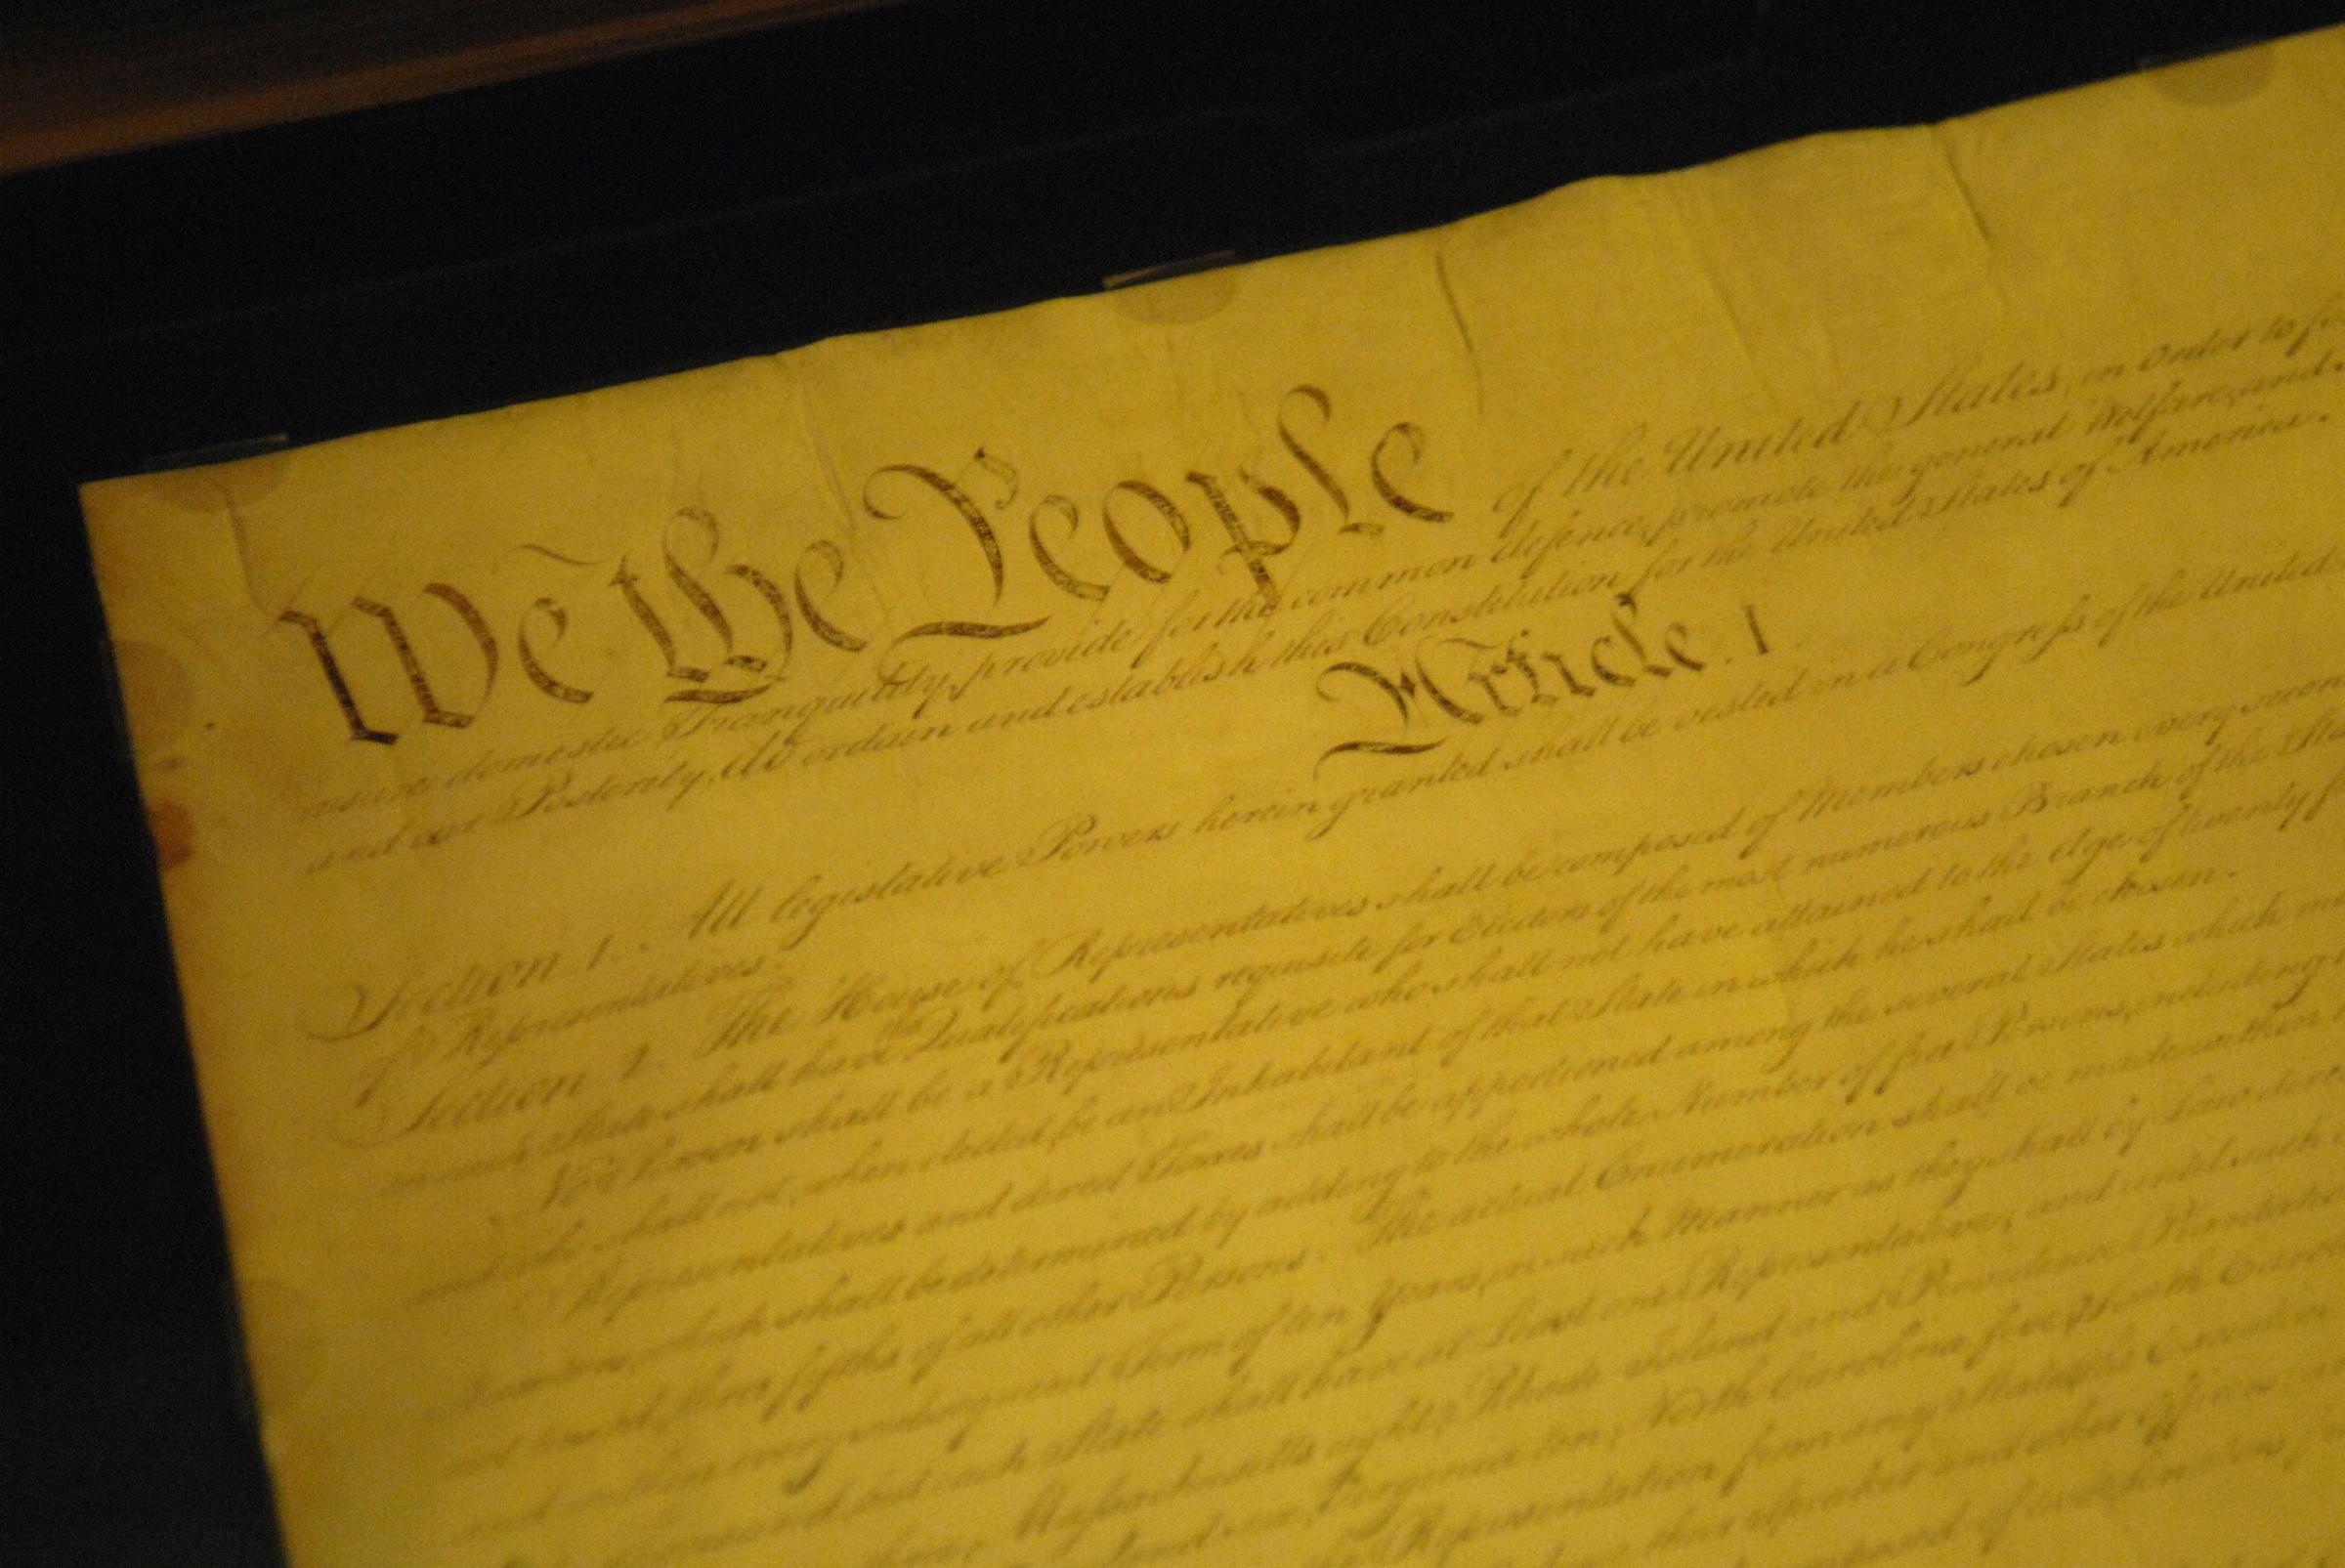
[174, 832]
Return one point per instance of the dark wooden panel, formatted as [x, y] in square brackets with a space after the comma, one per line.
[85, 80]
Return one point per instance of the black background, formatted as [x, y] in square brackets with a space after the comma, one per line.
[920, 161]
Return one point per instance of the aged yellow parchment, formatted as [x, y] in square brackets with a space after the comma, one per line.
[1656, 880]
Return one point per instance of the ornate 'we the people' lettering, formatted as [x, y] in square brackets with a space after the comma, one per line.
[1137, 536]
[426, 696]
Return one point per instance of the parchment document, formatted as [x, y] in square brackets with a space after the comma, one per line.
[1656, 880]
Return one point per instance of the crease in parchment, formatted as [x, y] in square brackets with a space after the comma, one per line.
[252, 591]
[273, 616]
[1975, 218]
[1690, 247]
[556, 555]
[686, 487]
[245, 563]
[816, 440]
[821, 447]
[1457, 317]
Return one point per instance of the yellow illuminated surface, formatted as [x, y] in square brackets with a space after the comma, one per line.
[1655, 879]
